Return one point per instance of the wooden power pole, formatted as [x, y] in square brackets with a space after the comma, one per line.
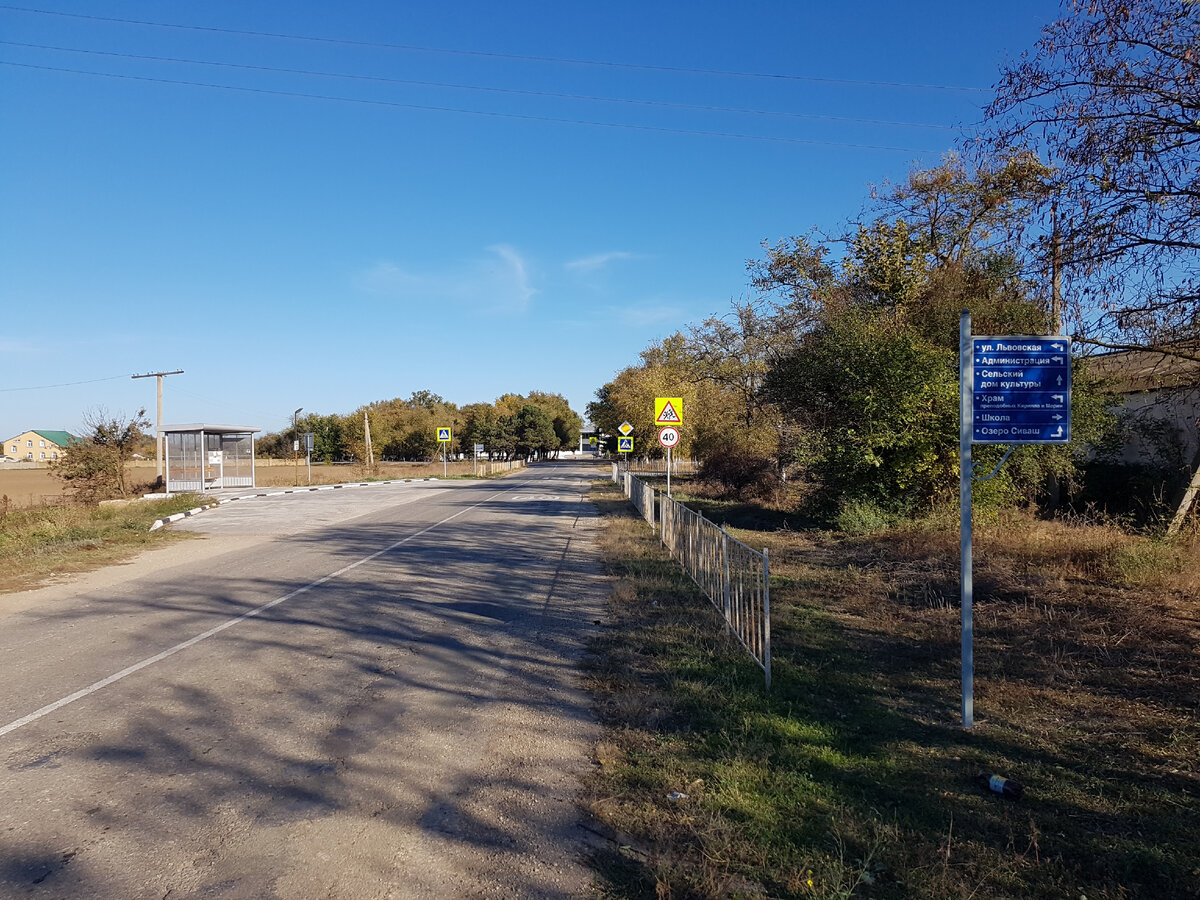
[158, 443]
[1056, 305]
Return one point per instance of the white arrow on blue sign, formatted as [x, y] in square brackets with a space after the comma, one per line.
[1021, 390]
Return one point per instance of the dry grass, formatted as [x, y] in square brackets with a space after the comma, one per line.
[47, 542]
[853, 779]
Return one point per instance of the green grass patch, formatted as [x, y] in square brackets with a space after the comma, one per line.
[45, 542]
[852, 778]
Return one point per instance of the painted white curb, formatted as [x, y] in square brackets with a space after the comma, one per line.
[159, 523]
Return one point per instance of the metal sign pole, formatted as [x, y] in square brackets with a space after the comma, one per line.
[668, 471]
[965, 423]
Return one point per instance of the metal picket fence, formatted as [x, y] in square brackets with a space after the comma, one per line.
[734, 576]
[640, 495]
[659, 466]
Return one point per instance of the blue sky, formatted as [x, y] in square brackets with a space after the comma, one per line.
[457, 214]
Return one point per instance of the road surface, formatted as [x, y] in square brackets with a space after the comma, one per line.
[367, 692]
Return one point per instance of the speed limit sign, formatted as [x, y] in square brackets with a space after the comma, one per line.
[668, 437]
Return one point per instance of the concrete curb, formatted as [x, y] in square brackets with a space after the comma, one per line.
[159, 523]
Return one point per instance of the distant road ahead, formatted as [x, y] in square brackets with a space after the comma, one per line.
[367, 692]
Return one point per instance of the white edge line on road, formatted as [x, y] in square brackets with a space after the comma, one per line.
[160, 522]
[183, 645]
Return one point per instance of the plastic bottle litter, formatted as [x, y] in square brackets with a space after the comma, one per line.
[677, 795]
[1005, 787]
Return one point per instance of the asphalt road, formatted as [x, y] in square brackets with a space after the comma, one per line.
[360, 693]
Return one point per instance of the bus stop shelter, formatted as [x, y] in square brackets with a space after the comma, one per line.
[203, 457]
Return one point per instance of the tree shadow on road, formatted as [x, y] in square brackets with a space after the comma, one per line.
[412, 724]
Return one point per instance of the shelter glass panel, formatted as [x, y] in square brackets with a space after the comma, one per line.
[184, 467]
[237, 451]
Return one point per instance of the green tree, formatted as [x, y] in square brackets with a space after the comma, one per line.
[870, 390]
[567, 422]
[879, 406]
[329, 436]
[273, 445]
[504, 438]
[480, 421]
[534, 432]
[94, 467]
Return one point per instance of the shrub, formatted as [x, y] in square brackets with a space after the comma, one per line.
[94, 468]
[858, 516]
[742, 473]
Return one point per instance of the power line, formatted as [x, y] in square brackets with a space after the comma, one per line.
[44, 387]
[414, 48]
[471, 112]
[661, 104]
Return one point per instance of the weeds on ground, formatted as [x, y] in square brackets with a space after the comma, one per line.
[40, 543]
[852, 777]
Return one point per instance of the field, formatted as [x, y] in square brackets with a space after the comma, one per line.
[31, 485]
[853, 777]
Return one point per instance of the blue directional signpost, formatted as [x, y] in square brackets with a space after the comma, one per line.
[1021, 390]
[1013, 389]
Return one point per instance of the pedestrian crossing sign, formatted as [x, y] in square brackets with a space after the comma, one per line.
[668, 410]
[443, 435]
[624, 445]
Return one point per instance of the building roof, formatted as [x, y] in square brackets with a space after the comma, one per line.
[209, 428]
[61, 438]
[1130, 371]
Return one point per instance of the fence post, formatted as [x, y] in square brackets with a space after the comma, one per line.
[726, 586]
[767, 617]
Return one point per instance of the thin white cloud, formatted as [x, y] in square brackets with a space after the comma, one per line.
[518, 280]
[498, 281]
[596, 261]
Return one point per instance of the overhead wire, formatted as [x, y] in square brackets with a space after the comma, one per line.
[470, 112]
[414, 48]
[45, 387]
[480, 88]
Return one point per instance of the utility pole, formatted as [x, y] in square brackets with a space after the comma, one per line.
[1053, 485]
[158, 443]
[367, 439]
[1056, 317]
[296, 440]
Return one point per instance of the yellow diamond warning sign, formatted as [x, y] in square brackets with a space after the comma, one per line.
[668, 410]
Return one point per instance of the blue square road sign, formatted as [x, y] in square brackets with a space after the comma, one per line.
[1021, 390]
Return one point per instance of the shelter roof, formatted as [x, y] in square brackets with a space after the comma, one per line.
[210, 428]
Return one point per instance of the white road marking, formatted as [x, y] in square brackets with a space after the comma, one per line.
[183, 645]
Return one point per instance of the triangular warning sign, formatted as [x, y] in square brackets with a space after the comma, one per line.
[668, 414]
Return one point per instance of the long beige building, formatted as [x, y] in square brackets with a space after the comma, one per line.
[38, 445]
